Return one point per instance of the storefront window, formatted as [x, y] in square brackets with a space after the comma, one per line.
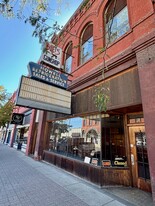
[76, 137]
[80, 138]
[22, 134]
[113, 140]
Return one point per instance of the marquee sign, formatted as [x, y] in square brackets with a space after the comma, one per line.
[38, 95]
[50, 76]
[17, 118]
[52, 56]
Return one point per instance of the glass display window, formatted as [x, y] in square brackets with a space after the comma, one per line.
[76, 137]
[113, 140]
[80, 137]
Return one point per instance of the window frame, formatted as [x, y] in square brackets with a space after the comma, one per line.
[86, 49]
[116, 34]
[68, 58]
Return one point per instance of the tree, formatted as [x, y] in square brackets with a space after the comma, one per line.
[5, 113]
[60, 127]
[3, 95]
[37, 16]
[101, 97]
[6, 107]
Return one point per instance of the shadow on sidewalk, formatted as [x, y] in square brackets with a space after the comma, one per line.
[132, 195]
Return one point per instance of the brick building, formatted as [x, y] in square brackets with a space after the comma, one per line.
[107, 46]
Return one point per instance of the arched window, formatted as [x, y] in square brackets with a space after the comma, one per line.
[116, 18]
[68, 58]
[86, 44]
[92, 136]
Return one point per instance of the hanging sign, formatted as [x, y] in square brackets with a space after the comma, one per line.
[17, 118]
[49, 76]
[52, 55]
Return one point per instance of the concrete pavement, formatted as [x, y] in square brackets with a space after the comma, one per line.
[26, 182]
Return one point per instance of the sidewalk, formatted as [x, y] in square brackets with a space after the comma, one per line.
[26, 182]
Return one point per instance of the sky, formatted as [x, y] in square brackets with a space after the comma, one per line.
[18, 47]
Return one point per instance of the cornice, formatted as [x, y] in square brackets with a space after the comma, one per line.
[77, 15]
[144, 42]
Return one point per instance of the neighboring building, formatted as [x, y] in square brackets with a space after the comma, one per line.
[23, 137]
[108, 45]
[19, 135]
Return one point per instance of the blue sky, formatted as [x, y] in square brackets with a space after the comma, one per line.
[18, 47]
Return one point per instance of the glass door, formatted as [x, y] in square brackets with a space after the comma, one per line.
[139, 158]
[142, 157]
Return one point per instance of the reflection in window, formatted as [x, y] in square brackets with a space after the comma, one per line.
[113, 141]
[142, 157]
[77, 138]
[117, 22]
[87, 44]
[92, 136]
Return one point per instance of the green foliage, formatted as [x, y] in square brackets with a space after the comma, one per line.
[5, 113]
[35, 13]
[101, 97]
[11, 9]
[41, 30]
[6, 106]
[3, 95]
[61, 127]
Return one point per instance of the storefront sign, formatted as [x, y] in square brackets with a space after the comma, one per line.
[119, 163]
[50, 76]
[94, 161]
[52, 55]
[106, 163]
[87, 160]
[38, 95]
[17, 118]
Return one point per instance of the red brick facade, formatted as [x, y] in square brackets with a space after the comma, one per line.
[129, 63]
[129, 69]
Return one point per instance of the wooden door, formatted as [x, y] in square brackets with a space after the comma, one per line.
[139, 158]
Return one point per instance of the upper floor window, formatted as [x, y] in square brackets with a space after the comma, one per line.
[68, 58]
[117, 22]
[87, 44]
